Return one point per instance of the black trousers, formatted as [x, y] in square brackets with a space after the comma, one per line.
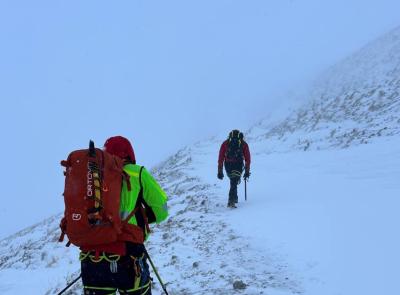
[234, 171]
[107, 274]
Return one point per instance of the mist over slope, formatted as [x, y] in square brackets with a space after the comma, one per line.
[354, 102]
[203, 248]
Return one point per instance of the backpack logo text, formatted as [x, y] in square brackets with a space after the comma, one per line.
[89, 188]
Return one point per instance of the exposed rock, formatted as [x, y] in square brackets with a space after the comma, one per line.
[239, 285]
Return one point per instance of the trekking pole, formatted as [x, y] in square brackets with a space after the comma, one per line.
[70, 284]
[245, 189]
[155, 271]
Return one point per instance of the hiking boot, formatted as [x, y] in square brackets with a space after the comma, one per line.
[231, 205]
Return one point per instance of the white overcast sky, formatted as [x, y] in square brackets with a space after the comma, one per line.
[162, 73]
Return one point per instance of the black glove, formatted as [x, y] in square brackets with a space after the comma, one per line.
[220, 175]
[246, 174]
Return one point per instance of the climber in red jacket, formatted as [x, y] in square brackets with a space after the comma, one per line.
[232, 153]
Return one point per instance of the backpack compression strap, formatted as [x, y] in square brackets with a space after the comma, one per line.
[94, 213]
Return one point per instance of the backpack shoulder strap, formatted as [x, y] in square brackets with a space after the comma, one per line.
[140, 181]
[141, 204]
[138, 201]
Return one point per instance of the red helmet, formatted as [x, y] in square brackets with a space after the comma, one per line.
[120, 147]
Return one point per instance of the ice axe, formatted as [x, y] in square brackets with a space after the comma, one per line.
[245, 189]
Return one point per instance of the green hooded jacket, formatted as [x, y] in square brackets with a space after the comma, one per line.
[153, 194]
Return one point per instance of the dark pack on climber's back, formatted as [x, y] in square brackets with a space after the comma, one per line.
[234, 149]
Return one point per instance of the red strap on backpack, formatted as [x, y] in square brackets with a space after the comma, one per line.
[63, 227]
[128, 182]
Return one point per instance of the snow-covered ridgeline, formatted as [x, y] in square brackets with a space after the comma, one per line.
[354, 102]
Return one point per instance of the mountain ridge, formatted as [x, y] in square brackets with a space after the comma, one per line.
[353, 102]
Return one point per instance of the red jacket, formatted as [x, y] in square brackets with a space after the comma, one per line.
[223, 158]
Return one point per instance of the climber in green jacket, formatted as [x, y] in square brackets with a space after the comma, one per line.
[122, 266]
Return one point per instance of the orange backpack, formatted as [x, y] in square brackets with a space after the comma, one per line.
[93, 181]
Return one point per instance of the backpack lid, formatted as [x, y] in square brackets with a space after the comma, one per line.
[235, 134]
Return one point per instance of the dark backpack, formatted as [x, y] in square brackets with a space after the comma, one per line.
[234, 149]
[93, 181]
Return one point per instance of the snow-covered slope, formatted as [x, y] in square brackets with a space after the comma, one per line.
[316, 222]
[33, 262]
[354, 102]
[196, 251]
[322, 221]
